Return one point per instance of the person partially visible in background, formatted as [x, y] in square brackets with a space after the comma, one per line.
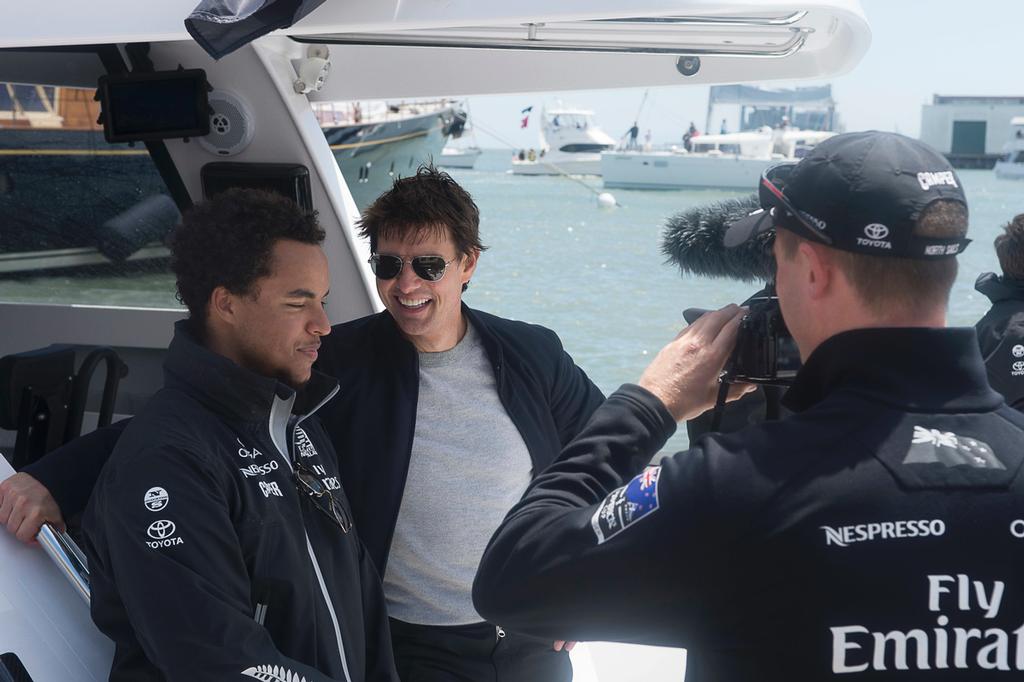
[1001, 330]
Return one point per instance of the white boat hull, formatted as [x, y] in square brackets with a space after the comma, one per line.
[549, 165]
[459, 159]
[667, 170]
[1010, 171]
[43, 620]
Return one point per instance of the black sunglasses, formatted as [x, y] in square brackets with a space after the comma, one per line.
[323, 499]
[770, 196]
[430, 268]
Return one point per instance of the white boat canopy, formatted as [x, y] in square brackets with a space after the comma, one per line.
[422, 48]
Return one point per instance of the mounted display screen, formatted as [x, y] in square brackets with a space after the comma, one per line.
[287, 179]
[154, 106]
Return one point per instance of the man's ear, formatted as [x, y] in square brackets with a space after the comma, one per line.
[223, 305]
[819, 269]
[469, 262]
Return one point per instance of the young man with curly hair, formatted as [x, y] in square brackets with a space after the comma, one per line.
[220, 543]
[1001, 330]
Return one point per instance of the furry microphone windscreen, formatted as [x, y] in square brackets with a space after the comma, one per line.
[693, 241]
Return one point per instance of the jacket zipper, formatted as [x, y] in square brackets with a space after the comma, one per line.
[293, 422]
[316, 567]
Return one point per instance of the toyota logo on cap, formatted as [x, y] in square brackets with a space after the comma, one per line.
[876, 231]
[158, 530]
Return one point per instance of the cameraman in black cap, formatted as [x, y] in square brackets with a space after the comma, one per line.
[877, 533]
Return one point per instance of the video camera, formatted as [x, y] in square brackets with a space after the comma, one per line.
[765, 353]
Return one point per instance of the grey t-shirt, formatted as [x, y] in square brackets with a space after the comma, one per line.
[469, 465]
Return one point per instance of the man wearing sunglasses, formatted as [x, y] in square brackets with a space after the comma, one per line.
[876, 533]
[445, 415]
[220, 543]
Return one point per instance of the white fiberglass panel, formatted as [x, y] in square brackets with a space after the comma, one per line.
[826, 38]
[43, 620]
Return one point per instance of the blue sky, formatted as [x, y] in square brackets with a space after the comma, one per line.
[918, 49]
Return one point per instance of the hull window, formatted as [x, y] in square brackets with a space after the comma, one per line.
[583, 148]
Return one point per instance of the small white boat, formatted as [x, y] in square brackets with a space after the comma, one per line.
[570, 144]
[1011, 164]
[459, 157]
[729, 160]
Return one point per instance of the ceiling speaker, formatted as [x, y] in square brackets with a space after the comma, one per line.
[231, 126]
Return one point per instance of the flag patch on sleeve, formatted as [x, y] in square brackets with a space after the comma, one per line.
[626, 505]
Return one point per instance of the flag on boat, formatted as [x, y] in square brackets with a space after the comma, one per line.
[222, 26]
[526, 117]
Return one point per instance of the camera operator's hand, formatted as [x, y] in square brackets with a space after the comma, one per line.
[684, 375]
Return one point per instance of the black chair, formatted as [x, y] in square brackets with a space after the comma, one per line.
[43, 399]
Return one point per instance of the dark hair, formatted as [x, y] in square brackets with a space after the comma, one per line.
[885, 282]
[430, 202]
[227, 242]
[1010, 248]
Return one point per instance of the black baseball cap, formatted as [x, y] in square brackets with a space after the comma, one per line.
[860, 192]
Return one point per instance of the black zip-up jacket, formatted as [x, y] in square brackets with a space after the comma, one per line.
[372, 421]
[876, 534]
[206, 561]
[1001, 335]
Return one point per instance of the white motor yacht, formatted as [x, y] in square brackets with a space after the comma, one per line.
[459, 157]
[729, 160]
[1011, 164]
[570, 144]
[264, 133]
